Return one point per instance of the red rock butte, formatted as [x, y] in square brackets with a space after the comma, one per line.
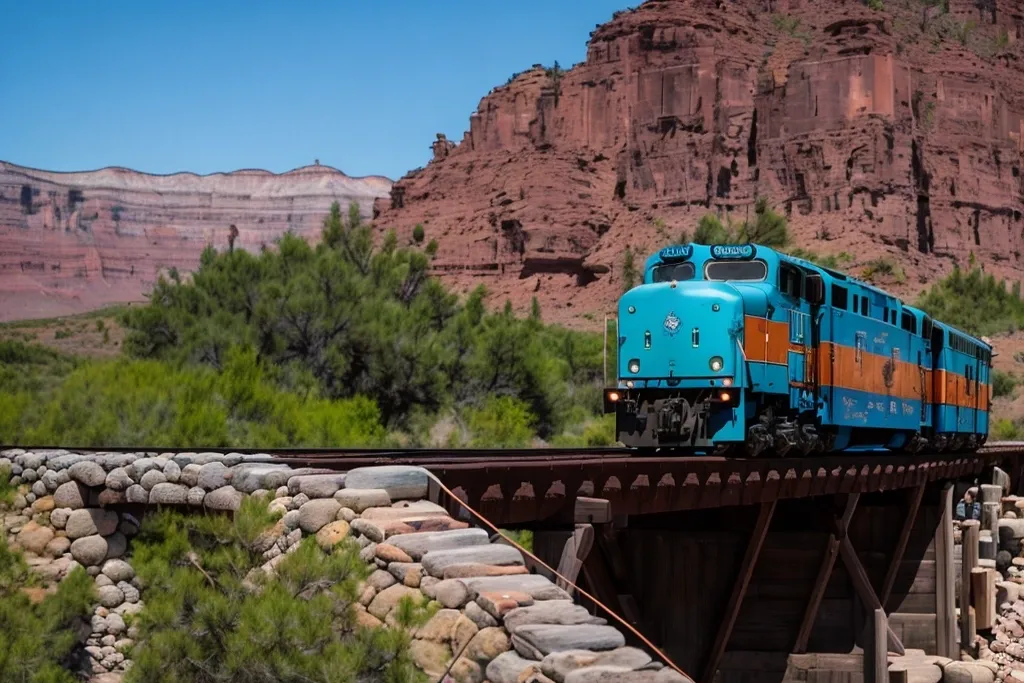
[891, 133]
[72, 242]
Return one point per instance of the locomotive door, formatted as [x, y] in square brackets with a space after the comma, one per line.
[976, 379]
[800, 368]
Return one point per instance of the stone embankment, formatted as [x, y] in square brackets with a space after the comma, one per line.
[995, 651]
[496, 621]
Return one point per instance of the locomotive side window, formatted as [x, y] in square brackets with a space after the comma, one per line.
[673, 271]
[789, 280]
[908, 322]
[736, 270]
[839, 297]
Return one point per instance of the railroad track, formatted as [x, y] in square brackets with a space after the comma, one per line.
[514, 458]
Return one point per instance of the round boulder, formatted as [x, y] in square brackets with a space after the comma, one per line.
[316, 514]
[90, 550]
[89, 521]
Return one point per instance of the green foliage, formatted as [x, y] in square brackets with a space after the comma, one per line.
[37, 638]
[7, 491]
[974, 302]
[884, 267]
[768, 228]
[1003, 383]
[877, 5]
[348, 319]
[418, 235]
[126, 402]
[524, 537]
[1004, 429]
[502, 422]
[211, 615]
[596, 432]
[629, 271]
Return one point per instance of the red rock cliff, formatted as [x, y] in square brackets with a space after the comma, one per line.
[71, 242]
[893, 132]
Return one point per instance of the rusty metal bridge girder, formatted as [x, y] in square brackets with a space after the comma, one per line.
[510, 492]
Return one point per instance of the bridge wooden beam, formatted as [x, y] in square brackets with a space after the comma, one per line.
[574, 553]
[901, 544]
[739, 590]
[824, 574]
[862, 584]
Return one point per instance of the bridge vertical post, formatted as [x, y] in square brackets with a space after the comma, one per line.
[876, 666]
[901, 544]
[970, 529]
[945, 577]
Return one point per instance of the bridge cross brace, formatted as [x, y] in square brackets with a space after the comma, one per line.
[839, 545]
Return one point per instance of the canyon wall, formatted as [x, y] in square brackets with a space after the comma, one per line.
[71, 242]
[892, 133]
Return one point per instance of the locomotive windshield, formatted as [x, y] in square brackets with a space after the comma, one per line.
[735, 270]
[673, 271]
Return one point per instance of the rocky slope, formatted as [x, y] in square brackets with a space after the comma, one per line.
[70, 242]
[884, 133]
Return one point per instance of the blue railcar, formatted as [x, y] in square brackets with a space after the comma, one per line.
[743, 349]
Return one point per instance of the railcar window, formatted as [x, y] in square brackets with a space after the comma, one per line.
[737, 270]
[839, 297]
[908, 322]
[673, 271]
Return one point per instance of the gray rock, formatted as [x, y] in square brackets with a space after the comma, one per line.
[110, 461]
[183, 460]
[51, 480]
[380, 580]
[172, 471]
[190, 475]
[89, 551]
[117, 545]
[138, 468]
[167, 493]
[280, 477]
[316, 485]
[29, 476]
[281, 492]
[534, 585]
[250, 476]
[131, 593]
[152, 478]
[87, 473]
[478, 616]
[558, 665]
[118, 570]
[118, 479]
[497, 554]
[299, 500]
[89, 521]
[71, 495]
[452, 593]
[98, 624]
[345, 514]
[224, 498]
[507, 667]
[213, 476]
[368, 553]
[358, 500]
[540, 640]
[115, 624]
[137, 494]
[59, 517]
[31, 460]
[967, 672]
[109, 596]
[195, 496]
[561, 612]
[291, 520]
[368, 529]
[418, 544]
[39, 489]
[400, 481]
[317, 514]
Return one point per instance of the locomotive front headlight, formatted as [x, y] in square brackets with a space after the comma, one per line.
[629, 384]
[716, 363]
[634, 366]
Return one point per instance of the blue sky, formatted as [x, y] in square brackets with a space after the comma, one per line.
[164, 86]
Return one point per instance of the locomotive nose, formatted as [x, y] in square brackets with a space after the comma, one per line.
[681, 334]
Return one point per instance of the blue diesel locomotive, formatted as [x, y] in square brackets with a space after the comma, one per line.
[744, 350]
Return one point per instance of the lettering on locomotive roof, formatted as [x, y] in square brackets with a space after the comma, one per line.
[736, 251]
[676, 253]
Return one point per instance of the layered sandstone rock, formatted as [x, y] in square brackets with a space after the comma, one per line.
[70, 242]
[892, 132]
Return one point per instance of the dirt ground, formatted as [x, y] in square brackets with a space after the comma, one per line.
[95, 335]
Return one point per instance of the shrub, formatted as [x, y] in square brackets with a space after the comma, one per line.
[974, 302]
[418, 234]
[1003, 383]
[37, 638]
[883, 267]
[211, 614]
[502, 422]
